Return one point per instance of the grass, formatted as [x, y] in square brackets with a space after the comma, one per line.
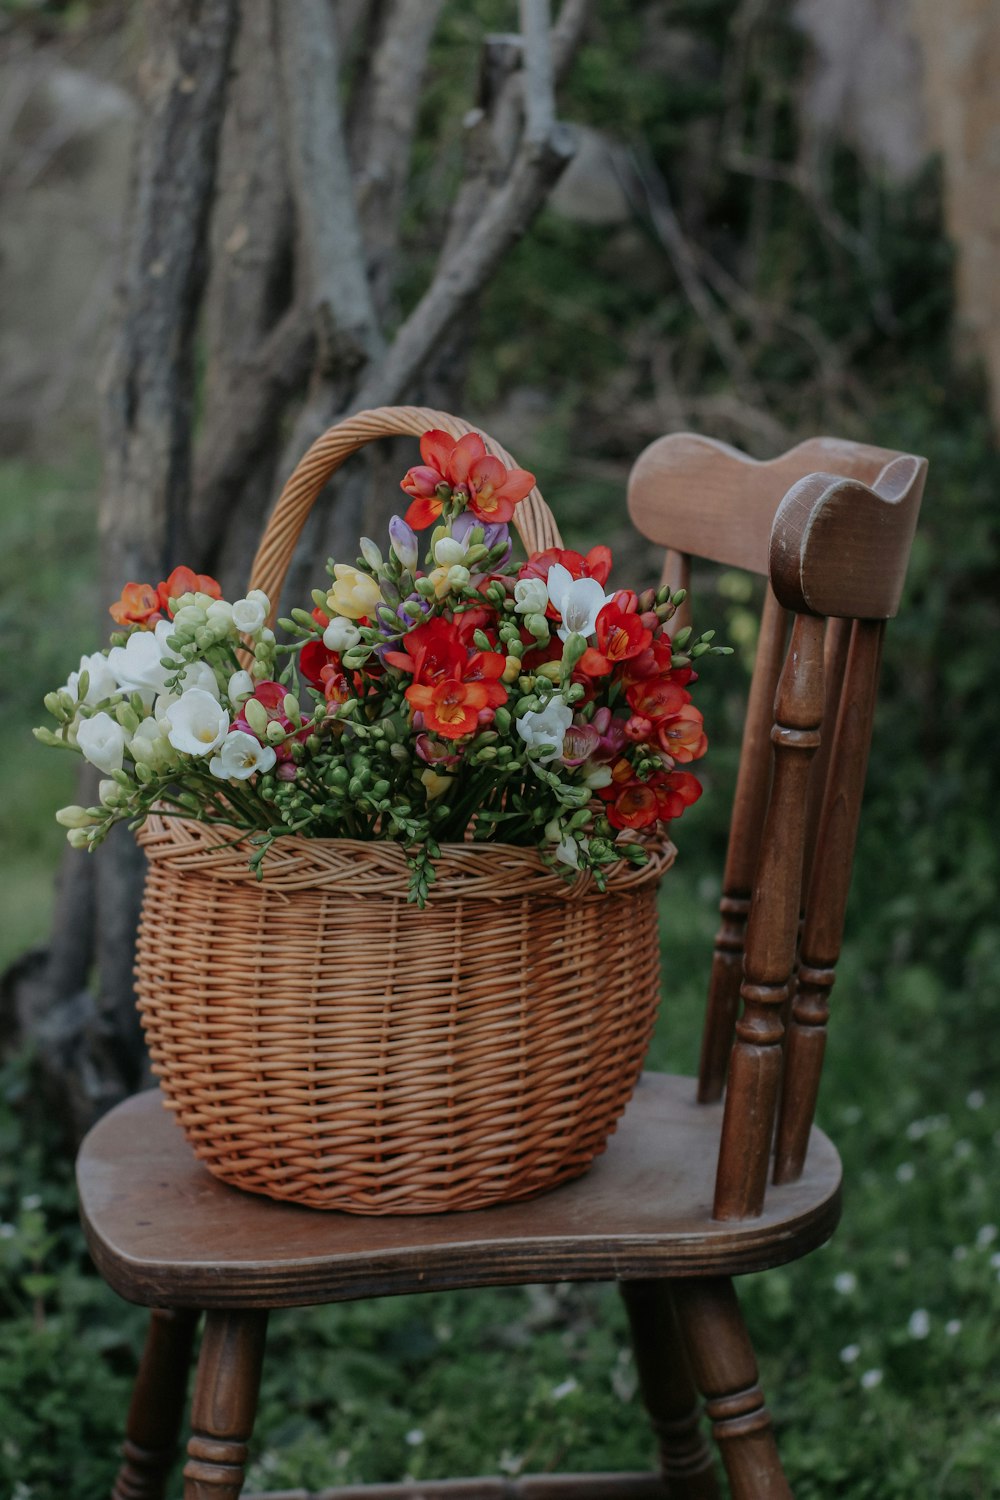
[48, 618]
[877, 1353]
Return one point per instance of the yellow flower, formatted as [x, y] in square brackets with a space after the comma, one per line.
[439, 578]
[435, 782]
[354, 595]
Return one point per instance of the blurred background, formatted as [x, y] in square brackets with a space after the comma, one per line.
[782, 219]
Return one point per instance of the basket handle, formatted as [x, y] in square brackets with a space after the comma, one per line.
[533, 520]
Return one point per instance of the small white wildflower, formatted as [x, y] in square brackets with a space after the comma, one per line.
[953, 1326]
[905, 1172]
[919, 1325]
[844, 1283]
[850, 1353]
[31, 1201]
[975, 1099]
[563, 1389]
[985, 1236]
[870, 1379]
[7, 1231]
[415, 1437]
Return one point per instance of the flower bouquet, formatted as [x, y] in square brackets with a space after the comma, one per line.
[431, 819]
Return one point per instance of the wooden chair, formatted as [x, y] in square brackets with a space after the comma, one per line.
[680, 1203]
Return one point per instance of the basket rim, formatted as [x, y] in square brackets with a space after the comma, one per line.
[377, 867]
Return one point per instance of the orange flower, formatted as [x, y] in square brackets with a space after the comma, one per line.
[621, 635]
[138, 605]
[450, 708]
[682, 736]
[184, 581]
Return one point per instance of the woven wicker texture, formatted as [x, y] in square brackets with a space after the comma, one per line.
[322, 1040]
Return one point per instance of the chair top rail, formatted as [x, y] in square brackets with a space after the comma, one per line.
[701, 497]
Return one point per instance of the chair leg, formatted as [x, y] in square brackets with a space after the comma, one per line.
[669, 1391]
[157, 1407]
[725, 1370]
[225, 1404]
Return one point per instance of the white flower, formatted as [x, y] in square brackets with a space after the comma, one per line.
[414, 1437]
[241, 755]
[870, 1379]
[578, 600]
[546, 728]
[976, 1099]
[102, 740]
[919, 1325]
[985, 1236]
[341, 634]
[248, 615]
[953, 1327]
[200, 675]
[240, 686]
[448, 551]
[530, 596]
[568, 851]
[196, 723]
[563, 1389]
[149, 745]
[850, 1353]
[103, 683]
[905, 1172]
[844, 1283]
[139, 665]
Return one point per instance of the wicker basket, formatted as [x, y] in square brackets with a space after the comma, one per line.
[322, 1040]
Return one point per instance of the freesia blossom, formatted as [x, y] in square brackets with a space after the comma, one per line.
[340, 635]
[150, 747]
[495, 534]
[531, 596]
[240, 686]
[102, 682]
[141, 665]
[578, 600]
[248, 615]
[197, 723]
[404, 542]
[462, 466]
[139, 605]
[240, 757]
[185, 581]
[354, 593]
[546, 728]
[682, 737]
[102, 741]
[621, 636]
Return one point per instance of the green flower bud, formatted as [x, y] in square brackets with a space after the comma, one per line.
[127, 718]
[370, 553]
[74, 817]
[502, 720]
[458, 577]
[538, 626]
[573, 649]
[78, 838]
[275, 733]
[256, 716]
[356, 657]
[425, 588]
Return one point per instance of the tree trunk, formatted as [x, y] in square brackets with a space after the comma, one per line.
[265, 238]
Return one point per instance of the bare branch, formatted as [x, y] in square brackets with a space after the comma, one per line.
[567, 35]
[322, 186]
[462, 275]
[539, 87]
[382, 126]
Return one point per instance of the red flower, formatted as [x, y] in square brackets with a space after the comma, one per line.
[682, 737]
[314, 660]
[138, 605]
[655, 662]
[675, 791]
[657, 698]
[462, 466]
[620, 636]
[431, 651]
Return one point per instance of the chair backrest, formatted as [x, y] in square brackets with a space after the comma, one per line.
[829, 524]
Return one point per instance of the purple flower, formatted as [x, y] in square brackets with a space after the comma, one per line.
[404, 541]
[493, 533]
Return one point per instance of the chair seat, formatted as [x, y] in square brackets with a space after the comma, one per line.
[165, 1233]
